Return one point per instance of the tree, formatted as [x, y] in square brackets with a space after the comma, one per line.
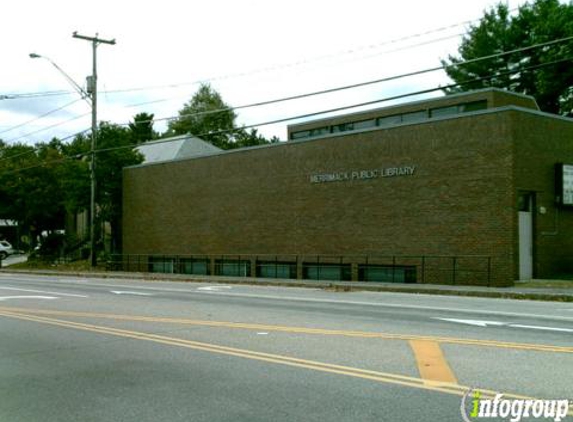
[208, 117]
[142, 128]
[40, 184]
[30, 188]
[115, 145]
[248, 138]
[535, 23]
[205, 116]
[109, 175]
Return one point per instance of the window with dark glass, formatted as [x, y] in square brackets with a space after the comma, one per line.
[414, 116]
[342, 127]
[444, 111]
[364, 124]
[473, 106]
[300, 135]
[389, 120]
[319, 131]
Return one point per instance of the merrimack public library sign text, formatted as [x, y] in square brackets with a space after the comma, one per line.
[343, 176]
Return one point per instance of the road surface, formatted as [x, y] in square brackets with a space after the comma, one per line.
[74, 349]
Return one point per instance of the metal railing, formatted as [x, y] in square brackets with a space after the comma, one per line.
[434, 269]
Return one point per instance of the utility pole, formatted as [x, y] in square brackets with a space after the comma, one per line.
[92, 90]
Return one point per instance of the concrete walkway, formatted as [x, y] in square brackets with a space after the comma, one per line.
[564, 294]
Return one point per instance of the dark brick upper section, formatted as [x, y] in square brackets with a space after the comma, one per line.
[492, 97]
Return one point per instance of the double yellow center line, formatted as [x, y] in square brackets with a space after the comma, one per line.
[383, 377]
[436, 375]
[301, 330]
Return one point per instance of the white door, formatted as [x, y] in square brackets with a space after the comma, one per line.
[525, 239]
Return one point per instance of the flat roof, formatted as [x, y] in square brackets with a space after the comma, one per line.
[284, 144]
[495, 98]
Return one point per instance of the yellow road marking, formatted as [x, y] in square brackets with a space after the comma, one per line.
[432, 364]
[444, 387]
[303, 330]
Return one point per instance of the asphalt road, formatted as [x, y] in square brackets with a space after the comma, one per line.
[119, 350]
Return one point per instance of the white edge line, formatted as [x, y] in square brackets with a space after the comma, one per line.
[341, 302]
[536, 327]
[2, 298]
[41, 291]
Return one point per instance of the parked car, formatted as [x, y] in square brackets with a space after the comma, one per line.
[5, 249]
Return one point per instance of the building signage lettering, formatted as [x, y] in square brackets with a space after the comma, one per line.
[343, 176]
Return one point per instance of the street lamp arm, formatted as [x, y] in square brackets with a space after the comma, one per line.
[78, 88]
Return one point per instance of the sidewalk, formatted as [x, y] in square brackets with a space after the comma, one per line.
[516, 292]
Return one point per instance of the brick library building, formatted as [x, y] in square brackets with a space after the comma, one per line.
[469, 189]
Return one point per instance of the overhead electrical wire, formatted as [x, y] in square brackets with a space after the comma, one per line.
[362, 84]
[330, 90]
[40, 117]
[392, 98]
[372, 46]
[48, 127]
[160, 100]
[266, 69]
[345, 87]
[331, 55]
[36, 148]
[314, 114]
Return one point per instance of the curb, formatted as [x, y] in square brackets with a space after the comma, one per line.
[326, 285]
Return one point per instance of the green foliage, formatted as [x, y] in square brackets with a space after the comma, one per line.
[205, 116]
[30, 189]
[538, 22]
[142, 128]
[248, 138]
[40, 184]
[208, 117]
[109, 167]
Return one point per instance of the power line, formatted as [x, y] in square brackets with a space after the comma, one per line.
[40, 117]
[396, 97]
[48, 127]
[346, 87]
[177, 85]
[26, 95]
[351, 86]
[160, 100]
[36, 148]
[314, 114]
[362, 84]
[270, 68]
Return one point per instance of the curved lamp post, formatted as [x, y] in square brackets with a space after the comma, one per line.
[89, 96]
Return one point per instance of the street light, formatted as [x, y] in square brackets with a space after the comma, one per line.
[90, 93]
[89, 96]
[78, 88]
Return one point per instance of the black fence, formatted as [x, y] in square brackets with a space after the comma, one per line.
[453, 270]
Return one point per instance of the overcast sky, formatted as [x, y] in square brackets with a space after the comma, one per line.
[249, 50]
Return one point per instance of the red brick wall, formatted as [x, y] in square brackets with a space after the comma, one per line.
[459, 201]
